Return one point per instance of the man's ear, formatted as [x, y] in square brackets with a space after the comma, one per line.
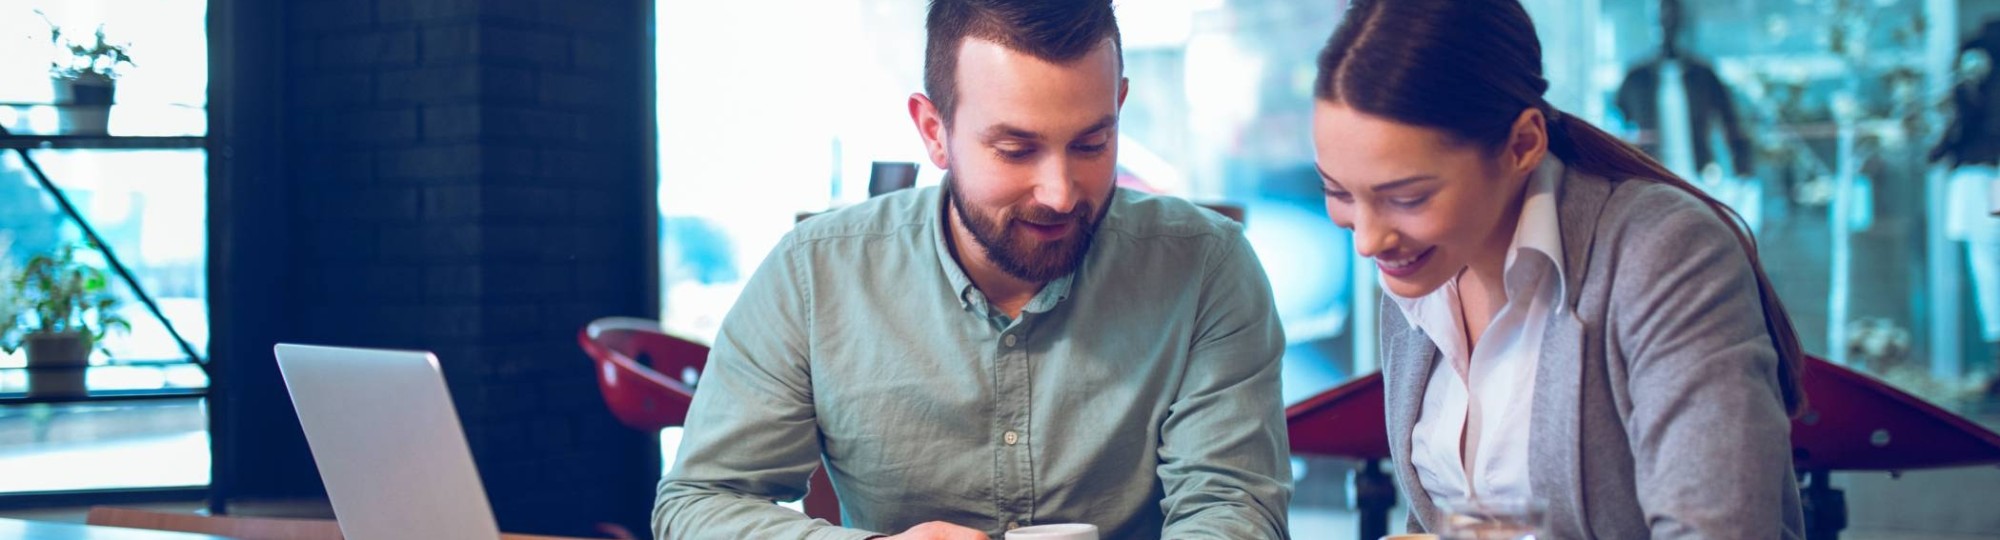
[930, 126]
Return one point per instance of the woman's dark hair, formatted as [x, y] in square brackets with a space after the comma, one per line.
[1469, 68]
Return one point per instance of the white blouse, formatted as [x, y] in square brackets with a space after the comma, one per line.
[1487, 397]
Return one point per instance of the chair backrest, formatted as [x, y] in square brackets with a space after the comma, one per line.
[1855, 422]
[1347, 421]
[646, 377]
[244, 528]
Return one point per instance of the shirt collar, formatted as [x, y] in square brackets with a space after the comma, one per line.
[961, 284]
[1538, 232]
[1052, 293]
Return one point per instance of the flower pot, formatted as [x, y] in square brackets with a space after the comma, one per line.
[84, 105]
[57, 362]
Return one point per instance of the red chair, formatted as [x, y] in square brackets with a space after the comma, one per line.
[1350, 421]
[1853, 422]
[634, 359]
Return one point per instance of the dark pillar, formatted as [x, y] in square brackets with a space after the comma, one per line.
[470, 178]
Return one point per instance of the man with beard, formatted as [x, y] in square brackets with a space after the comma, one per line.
[1025, 344]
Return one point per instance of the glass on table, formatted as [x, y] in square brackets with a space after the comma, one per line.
[1491, 518]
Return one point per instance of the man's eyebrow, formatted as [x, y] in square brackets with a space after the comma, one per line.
[1102, 124]
[1009, 131]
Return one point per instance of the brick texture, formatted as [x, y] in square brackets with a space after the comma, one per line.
[461, 178]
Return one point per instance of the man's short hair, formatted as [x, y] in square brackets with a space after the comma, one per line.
[1054, 30]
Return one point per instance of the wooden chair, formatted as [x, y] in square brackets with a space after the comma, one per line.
[244, 528]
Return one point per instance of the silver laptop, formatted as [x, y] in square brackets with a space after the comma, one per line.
[388, 443]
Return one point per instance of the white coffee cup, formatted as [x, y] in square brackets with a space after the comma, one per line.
[1059, 531]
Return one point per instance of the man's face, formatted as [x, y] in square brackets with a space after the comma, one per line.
[1031, 154]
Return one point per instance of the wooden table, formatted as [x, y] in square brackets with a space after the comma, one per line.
[51, 530]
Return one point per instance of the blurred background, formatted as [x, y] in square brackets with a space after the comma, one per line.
[482, 179]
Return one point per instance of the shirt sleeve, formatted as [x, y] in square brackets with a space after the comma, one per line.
[752, 435]
[1224, 454]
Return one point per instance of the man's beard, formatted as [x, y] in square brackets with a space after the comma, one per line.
[1016, 252]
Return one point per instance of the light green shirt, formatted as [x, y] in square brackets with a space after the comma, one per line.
[1139, 393]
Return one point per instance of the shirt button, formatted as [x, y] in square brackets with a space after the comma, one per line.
[1012, 525]
[1011, 438]
[1009, 340]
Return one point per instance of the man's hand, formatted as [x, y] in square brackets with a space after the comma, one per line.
[938, 530]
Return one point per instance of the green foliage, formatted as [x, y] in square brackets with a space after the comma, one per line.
[93, 60]
[56, 294]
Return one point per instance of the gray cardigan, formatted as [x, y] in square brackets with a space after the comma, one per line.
[1657, 411]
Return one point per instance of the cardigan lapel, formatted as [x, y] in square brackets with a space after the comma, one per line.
[1412, 356]
[1579, 205]
[1556, 446]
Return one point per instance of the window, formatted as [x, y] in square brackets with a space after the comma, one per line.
[758, 126]
[141, 184]
[1841, 102]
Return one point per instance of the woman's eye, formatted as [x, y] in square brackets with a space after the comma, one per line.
[1410, 202]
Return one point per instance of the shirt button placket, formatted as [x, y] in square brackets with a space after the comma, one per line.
[1014, 384]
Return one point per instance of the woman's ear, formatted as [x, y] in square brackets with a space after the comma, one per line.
[1527, 143]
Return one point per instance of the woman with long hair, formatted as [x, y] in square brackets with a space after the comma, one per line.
[1566, 321]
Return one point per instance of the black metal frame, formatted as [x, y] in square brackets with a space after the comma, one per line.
[1374, 495]
[1825, 507]
[80, 142]
[110, 256]
[93, 497]
[21, 144]
[104, 396]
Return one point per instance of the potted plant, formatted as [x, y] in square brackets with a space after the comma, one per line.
[85, 78]
[58, 310]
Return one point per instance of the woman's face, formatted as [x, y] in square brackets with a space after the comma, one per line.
[1423, 205]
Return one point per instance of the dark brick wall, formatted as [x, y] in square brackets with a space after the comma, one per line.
[468, 177]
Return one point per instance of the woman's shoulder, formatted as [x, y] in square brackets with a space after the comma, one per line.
[1659, 230]
[1641, 209]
